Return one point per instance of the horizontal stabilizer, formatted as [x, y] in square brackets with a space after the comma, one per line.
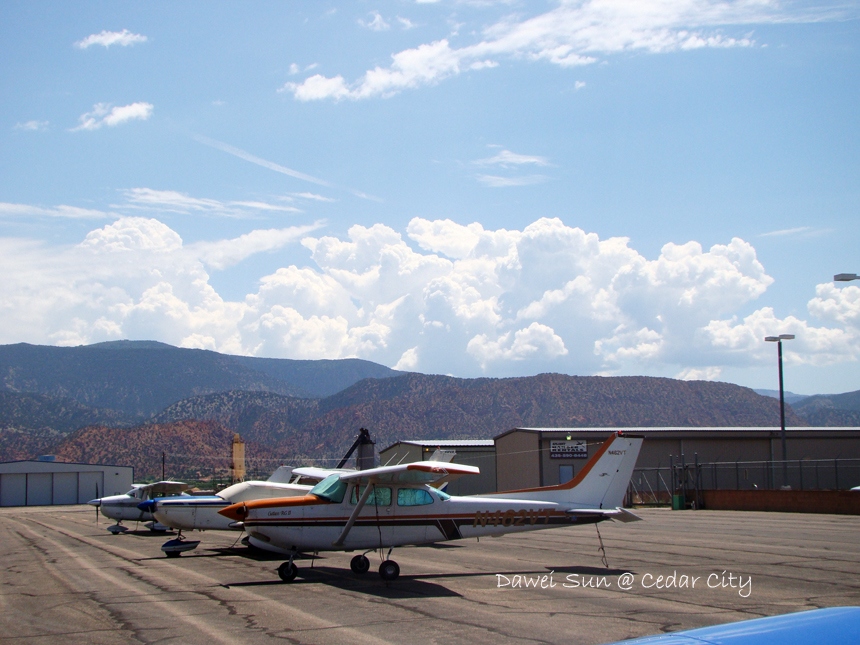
[617, 514]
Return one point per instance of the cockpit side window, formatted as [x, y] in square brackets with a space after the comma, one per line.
[332, 489]
[381, 496]
[413, 497]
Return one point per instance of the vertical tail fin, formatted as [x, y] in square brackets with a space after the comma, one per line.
[602, 482]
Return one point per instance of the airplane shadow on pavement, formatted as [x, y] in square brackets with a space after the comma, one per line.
[405, 586]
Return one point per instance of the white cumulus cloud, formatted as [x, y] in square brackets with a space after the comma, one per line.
[112, 116]
[440, 297]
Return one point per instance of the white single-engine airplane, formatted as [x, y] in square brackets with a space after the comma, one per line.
[399, 505]
[125, 507]
[200, 512]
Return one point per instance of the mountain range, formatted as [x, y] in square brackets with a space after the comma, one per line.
[128, 402]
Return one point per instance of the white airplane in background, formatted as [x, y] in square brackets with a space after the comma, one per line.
[200, 512]
[125, 507]
[400, 505]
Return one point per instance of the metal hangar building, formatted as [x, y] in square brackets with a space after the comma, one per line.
[47, 482]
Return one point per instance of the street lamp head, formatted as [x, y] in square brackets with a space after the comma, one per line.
[845, 277]
[776, 339]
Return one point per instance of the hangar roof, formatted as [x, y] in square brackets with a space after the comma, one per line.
[446, 443]
[689, 430]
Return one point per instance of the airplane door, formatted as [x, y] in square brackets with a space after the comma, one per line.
[377, 519]
[414, 512]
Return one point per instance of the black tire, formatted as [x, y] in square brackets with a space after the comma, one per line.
[173, 554]
[288, 572]
[389, 570]
[359, 564]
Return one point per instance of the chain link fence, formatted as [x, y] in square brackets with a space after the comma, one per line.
[662, 486]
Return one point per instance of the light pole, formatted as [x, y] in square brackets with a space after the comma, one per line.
[845, 277]
[778, 340]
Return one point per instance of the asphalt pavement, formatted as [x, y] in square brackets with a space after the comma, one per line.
[65, 579]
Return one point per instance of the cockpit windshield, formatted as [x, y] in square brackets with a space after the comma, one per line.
[332, 489]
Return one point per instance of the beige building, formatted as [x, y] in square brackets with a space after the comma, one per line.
[528, 457]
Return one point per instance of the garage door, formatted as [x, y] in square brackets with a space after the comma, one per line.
[39, 489]
[90, 486]
[66, 488]
[13, 489]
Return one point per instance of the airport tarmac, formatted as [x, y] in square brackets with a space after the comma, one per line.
[65, 580]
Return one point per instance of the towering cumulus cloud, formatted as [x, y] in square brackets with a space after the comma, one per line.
[439, 297]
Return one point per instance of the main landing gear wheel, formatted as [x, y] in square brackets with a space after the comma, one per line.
[389, 570]
[288, 571]
[359, 564]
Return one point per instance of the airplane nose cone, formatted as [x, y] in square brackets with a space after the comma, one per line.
[235, 511]
[95, 502]
[148, 506]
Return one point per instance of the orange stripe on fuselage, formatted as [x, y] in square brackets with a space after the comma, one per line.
[304, 500]
[240, 510]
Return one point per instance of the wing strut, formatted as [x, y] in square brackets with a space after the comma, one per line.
[361, 502]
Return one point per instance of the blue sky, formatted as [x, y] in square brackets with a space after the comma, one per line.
[473, 188]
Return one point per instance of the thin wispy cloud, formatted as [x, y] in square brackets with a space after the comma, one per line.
[573, 34]
[63, 211]
[172, 201]
[313, 196]
[496, 181]
[375, 23]
[104, 114]
[788, 231]
[247, 156]
[508, 159]
[510, 162]
[223, 254]
[122, 38]
[32, 126]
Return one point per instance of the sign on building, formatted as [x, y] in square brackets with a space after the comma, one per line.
[568, 449]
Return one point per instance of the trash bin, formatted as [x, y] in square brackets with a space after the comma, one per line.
[679, 503]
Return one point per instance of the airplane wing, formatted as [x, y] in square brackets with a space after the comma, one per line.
[313, 472]
[419, 472]
[165, 488]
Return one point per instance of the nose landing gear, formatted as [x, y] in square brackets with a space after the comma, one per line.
[288, 571]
